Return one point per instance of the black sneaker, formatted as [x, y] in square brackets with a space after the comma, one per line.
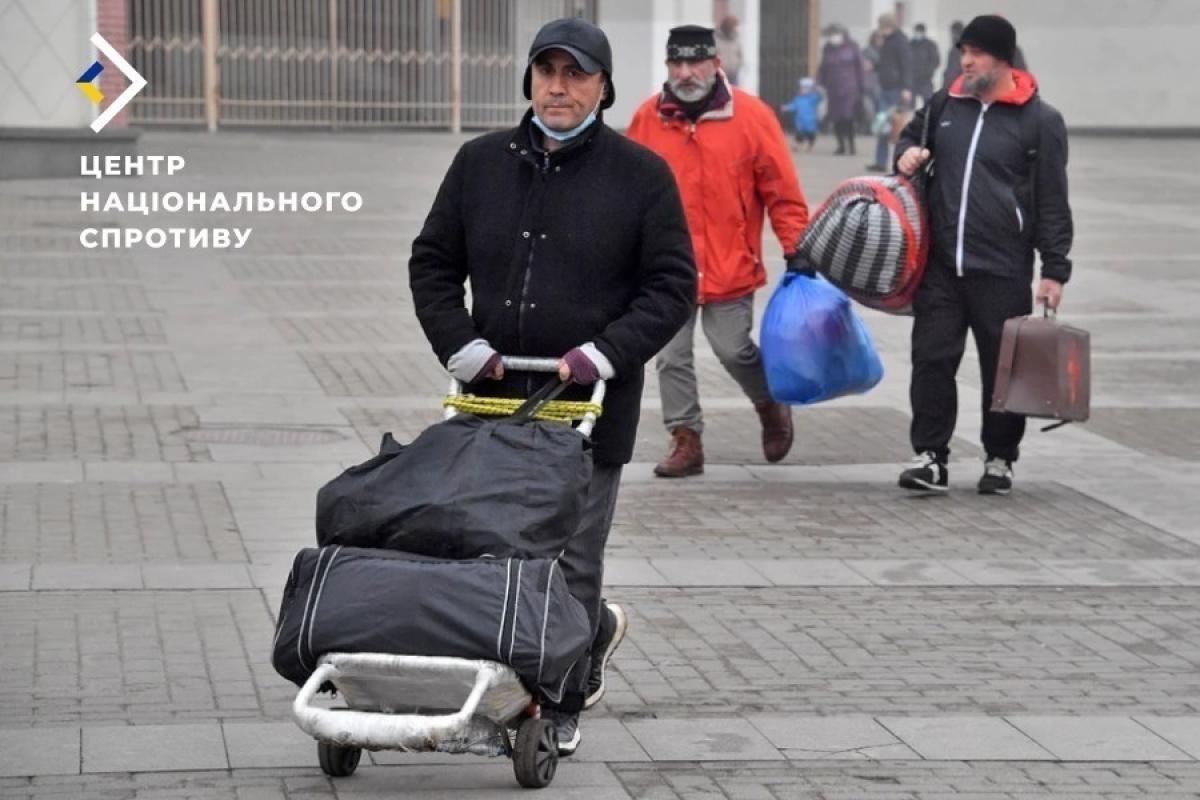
[997, 477]
[927, 474]
[613, 626]
[876, 168]
[567, 725]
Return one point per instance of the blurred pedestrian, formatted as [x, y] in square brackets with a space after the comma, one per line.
[953, 56]
[841, 76]
[870, 63]
[732, 163]
[895, 81]
[925, 59]
[729, 48]
[805, 108]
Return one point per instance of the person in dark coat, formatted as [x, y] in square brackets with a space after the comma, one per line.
[953, 56]
[991, 206]
[925, 59]
[575, 246]
[895, 80]
[841, 76]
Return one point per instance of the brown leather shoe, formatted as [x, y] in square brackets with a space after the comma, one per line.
[686, 456]
[777, 430]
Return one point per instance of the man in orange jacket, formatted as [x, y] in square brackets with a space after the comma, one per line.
[731, 161]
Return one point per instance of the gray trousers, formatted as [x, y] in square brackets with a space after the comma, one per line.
[727, 326]
[582, 564]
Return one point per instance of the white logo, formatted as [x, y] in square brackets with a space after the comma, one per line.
[136, 83]
[945, 124]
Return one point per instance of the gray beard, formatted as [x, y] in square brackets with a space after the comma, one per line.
[691, 94]
[977, 87]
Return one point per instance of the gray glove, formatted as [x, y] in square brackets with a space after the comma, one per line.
[474, 362]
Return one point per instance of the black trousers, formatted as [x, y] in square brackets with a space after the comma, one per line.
[945, 308]
[582, 564]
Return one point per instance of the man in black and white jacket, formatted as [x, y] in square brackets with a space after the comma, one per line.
[998, 192]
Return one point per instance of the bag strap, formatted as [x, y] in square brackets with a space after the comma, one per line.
[1031, 143]
[933, 112]
[552, 389]
[1008, 353]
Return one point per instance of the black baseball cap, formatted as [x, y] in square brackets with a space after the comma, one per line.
[586, 43]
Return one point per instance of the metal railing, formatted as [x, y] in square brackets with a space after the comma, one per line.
[336, 63]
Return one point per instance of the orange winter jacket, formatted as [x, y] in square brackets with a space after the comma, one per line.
[730, 165]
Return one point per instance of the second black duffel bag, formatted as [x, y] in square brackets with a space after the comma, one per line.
[350, 600]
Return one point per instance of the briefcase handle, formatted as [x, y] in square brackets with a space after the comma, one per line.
[1048, 312]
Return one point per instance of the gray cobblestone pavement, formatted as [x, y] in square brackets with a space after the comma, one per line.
[798, 630]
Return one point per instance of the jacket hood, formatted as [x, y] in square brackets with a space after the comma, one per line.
[1025, 87]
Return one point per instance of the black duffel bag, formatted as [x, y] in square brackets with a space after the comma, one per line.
[347, 600]
[464, 488]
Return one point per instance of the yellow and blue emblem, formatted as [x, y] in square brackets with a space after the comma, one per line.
[84, 82]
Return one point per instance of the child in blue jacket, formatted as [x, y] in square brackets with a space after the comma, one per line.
[804, 107]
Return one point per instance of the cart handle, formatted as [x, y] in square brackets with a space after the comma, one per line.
[525, 364]
[376, 731]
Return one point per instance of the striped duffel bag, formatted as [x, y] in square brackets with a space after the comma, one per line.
[870, 239]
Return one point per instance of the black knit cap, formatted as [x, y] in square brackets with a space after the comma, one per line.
[993, 35]
[585, 43]
[691, 43]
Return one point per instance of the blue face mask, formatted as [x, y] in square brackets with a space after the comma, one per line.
[566, 136]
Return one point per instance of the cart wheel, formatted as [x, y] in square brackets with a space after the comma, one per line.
[535, 757]
[337, 761]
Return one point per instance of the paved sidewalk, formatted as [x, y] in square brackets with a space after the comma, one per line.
[798, 630]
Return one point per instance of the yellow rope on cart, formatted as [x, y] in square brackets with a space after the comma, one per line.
[555, 410]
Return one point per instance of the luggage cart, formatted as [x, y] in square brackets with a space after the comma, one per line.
[431, 704]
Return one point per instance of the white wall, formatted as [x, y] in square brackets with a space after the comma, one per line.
[1103, 63]
[44, 47]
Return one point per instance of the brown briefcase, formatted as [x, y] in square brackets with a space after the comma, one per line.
[1044, 370]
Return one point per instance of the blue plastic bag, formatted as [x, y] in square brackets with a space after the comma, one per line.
[814, 346]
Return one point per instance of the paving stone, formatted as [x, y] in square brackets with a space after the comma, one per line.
[153, 748]
[810, 738]
[702, 739]
[74, 297]
[897, 572]
[41, 751]
[871, 521]
[1182, 732]
[110, 329]
[15, 576]
[268, 744]
[196, 576]
[114, 522]
[632, 572]
[707, 572]
[824, 435]
[960, 738]
[909, 651]
[379, 375]
[87, 372]
[49, 576]
[1093, 738]
[1109, 572]
[138, 657]
[809, 572]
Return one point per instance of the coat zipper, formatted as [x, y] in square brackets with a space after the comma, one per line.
[962, 208]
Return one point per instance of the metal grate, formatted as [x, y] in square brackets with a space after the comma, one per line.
[336, 63]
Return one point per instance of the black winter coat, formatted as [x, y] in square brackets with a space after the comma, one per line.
[586, 244]
[895, 63]
[1005, 218]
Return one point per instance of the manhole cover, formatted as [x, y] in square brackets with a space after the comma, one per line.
[294, 436]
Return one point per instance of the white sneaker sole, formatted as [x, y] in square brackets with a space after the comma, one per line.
[567, 749]
[914, 485]
[613, 643]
